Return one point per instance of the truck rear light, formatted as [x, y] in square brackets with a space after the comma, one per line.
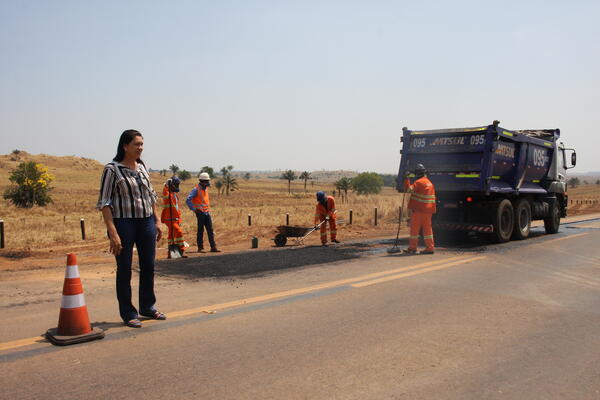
[469, 199]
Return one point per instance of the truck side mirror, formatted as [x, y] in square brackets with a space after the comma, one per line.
[573, 159]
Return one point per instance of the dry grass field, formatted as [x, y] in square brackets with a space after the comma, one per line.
[56, 228]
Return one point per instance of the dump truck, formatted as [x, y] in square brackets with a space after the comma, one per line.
[491, 180]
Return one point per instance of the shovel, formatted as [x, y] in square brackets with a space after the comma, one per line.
[314, 228]
[174, 250]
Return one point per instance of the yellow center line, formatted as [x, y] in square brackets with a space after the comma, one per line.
[413, 273]
[560, 238]
[20, 343]
[298, 291]
[272, 296]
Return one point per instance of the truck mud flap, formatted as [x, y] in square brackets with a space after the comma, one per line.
[463, 226]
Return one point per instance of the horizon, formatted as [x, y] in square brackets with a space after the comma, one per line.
[238, 171]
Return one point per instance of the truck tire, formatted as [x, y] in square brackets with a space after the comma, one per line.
[522, 220]
[552, 223]
[504, 220]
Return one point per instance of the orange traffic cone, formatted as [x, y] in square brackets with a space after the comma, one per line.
[73, 322]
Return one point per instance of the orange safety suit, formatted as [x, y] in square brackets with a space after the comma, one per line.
[321, 213]
[201, 201]
[171, 215]
[422, 204]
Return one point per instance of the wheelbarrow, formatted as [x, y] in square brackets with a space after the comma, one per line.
[298, 232]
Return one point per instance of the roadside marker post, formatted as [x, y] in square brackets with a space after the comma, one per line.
[1, 234]
[82, 223]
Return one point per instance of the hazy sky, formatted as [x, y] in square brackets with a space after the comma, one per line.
[303, 85]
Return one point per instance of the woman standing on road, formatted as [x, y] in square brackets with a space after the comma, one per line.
[128, 204]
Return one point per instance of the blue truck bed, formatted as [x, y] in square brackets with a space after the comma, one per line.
[487, 159]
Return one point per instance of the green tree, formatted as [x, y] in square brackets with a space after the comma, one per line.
[184, 175]
[367, 183]
[305, 176]
[247, 176]
[289, 176]
[343, 185]
[388, 180]
[31, 185]
[598, 182]
[219, 185]
[574, 182]
[225, 171]
[208, 170]
[174, 169]
[230, 184]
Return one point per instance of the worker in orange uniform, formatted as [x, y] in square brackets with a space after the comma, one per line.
[422, 205]
[326, 212]
[199, 202]
[171, 216]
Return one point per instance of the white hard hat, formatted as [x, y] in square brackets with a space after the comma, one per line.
[204, 177]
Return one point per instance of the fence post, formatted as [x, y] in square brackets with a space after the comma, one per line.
[375, 216]
[287, 219]
[350, 218]
[1, 234]
[82, 223]
[249, 220]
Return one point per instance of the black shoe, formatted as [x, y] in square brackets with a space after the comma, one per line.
[200, 250]
[409, 251]
[426, 252]
[324, 244]
[215, 250]
[335, 241]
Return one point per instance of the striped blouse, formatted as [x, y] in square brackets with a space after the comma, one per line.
[128, 193]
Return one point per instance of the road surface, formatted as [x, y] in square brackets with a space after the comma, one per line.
[519, 320]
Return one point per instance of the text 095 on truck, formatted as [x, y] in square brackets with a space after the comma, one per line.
[491, 180]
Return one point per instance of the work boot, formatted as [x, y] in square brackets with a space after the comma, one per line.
[335, 241]
[426, 251]
[324, 244]
[215, 250]
[200, 249]
[409, 251]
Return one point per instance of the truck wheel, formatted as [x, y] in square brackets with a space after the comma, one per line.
[552, 223]
[503, 222]
[522, 220]
[280, 240]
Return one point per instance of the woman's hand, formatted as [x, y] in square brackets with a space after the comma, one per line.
[158, 232]
[115, 244]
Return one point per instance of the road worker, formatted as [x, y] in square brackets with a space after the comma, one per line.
[325, 211]
[422, 205]
[199, 202]
[171, 216]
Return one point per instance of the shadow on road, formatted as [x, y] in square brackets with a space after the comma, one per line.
[257, 261]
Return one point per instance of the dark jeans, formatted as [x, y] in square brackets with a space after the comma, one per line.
[204, 221]
[142, 233]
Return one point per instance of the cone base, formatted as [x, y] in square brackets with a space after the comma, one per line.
[56, 339]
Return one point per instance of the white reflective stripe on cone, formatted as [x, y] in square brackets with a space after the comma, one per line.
[72, 271]
[72, 301]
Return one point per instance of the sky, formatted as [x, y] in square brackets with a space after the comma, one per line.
[302, 85]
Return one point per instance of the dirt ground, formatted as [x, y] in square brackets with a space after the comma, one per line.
[97, 254]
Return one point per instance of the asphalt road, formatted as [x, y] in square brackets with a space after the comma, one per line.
[474, 321]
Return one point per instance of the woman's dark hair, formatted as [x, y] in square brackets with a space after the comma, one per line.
[126, 138]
